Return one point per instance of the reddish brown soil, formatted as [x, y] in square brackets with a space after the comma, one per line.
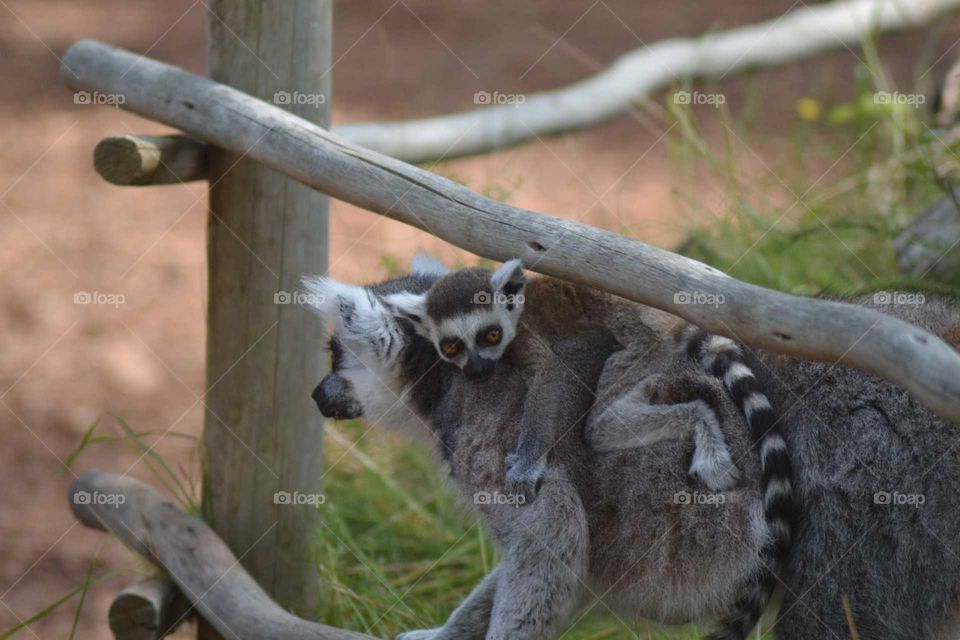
[64, 230]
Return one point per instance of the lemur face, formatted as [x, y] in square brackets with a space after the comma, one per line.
[470, 316]
[367, 344]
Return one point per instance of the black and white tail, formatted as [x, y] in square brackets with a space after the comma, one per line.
[723, 358]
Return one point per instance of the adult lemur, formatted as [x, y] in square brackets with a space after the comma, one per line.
[877, 473]
[597, 508]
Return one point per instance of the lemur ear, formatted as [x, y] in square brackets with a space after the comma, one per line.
[426, 265]
[409, 306]
[351, 308]
[320, 294]
[509, 279]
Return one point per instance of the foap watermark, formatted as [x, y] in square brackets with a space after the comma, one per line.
[298, 498]
[699, 298]
[895, 97]
[284, 98]
[508, 299]
[496, 498]
[98, 297]
[99, 98]
[99, 498]
[698, 97]
[899, 298]
[298, 297]
[485, 98]
[698, 498]
[897, 499]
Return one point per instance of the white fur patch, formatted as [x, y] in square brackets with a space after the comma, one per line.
[736, 372]
[426, 265]
[755, 402]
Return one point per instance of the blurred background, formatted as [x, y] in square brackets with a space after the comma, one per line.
[799, 181]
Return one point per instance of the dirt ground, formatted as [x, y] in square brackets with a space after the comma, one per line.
[66, 231]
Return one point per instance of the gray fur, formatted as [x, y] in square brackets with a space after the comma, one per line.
[622, 530]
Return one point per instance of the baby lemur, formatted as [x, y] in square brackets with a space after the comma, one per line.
[475, 317]
[371, 330]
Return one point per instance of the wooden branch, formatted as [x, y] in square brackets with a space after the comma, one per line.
[150, 160]
[808, 328]
[148, 610]
[207, 573]
[804, 32]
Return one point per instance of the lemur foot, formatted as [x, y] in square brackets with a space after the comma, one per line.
[423, 634]
[524, 477]
[715, 468]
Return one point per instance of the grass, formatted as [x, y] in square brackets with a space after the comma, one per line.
[395, 552]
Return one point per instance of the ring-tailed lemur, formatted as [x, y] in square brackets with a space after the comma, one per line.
[474, 317]
[369, 330]
[878, 475]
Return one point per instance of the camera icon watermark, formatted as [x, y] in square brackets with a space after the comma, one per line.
[97, 498]
[99, 98]
[898, 98]
[298, 297]
[897, 499]
[699, 98]
[497, 98]
[699, 298]
[99, 298]
[505, 299]
[698, 498]
[283, 98]
[485, 498]
[298, 498]
[899, 298]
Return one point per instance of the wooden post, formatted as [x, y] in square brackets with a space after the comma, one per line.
[262, 433]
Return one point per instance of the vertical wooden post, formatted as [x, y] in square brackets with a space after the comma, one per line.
[262, 433]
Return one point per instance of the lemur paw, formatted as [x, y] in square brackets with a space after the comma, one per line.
[423, 634]
[716, 469]
[524, 477]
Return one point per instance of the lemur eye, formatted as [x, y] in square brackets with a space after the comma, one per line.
[451, 348]
[493, 336]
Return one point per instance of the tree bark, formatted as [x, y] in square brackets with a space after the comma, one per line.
[262, 435]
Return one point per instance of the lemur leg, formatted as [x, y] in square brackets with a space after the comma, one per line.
[544, 567]
[558, 399]
[632, 421]
[469, 621]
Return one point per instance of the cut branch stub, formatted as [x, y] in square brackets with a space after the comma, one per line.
[809, 328]
[204, 569]
[150, 160]
[148, 610]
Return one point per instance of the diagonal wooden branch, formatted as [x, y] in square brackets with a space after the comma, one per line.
[803, 32]
[808, 328]
[193, 556]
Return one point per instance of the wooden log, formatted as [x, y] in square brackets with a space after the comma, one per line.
[262, 434]
[804, 327]
[207, 573]
[807, 30]
[150, 609]
[150, 160]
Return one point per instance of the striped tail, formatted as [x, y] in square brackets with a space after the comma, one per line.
[722, 357]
